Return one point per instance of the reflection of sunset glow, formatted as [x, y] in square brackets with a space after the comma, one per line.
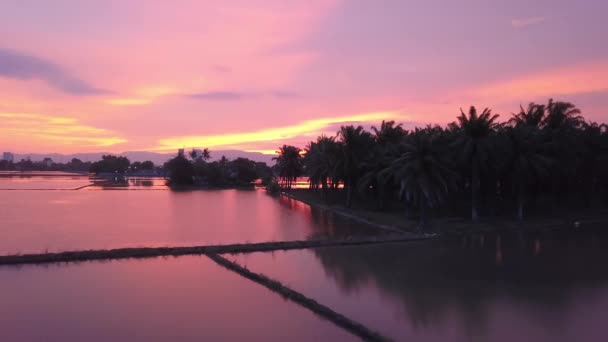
[272, 134]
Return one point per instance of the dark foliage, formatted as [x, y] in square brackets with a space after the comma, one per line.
[545, 158]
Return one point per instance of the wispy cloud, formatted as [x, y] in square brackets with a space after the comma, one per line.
[285, 95]
[220, 96]
[249, 140]
[238, 96]
[20, 66]
[525, 22]
[143, 96]
[31, 128]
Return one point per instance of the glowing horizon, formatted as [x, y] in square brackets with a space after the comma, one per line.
[136, 75]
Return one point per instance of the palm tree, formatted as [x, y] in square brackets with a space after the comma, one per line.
[594, 158]
[321, 163]
[386, 149]
[356, 148]
[528, 161]
[533, 116]
[563, 125]
[289, 164]
[474, 142]
[206, 155]
[200, 155]
[389, 133]
[562, 115]
[422, 172]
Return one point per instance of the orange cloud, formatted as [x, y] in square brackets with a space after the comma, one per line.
[27, 129]
[245, 140]
[143, 96]
[576, 79]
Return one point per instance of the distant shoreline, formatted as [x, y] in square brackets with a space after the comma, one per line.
[44, 173]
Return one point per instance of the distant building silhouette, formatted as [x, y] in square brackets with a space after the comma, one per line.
[8, 156]
[48, 162]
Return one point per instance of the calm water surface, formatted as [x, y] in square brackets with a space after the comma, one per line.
[36, 221]
[65, 182]
[175, 299]
[479, 288]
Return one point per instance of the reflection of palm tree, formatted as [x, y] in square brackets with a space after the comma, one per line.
[356, 146]
[474, 142]
[434, 282]
[289, 164]
[423, 172]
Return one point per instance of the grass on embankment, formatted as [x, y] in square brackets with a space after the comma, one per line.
[353, 327]
[394, 218]
[149, 252]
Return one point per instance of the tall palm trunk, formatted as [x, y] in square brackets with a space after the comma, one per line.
[474, 190]
[349, 194]
[380, 194]
[520, 203]
[422, 224]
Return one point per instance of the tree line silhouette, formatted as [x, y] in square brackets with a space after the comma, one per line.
[222, 173]
[544, 157]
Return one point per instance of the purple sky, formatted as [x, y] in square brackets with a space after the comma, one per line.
[156, 75]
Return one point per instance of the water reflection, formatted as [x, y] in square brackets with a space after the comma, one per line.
[129, 183]
[163, 299]
[432, 283]
[70, 220]
[37, 182]
[329, 223]
[508, 287]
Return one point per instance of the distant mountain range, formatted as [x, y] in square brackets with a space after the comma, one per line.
[156, 158]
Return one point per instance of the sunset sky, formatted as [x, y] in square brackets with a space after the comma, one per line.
[125, 75]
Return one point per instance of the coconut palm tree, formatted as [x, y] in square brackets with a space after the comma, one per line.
[564, 124]
[423, 172]
[200, 155]
[594, 158]
[356, 148]
[474, 144]
[387, 139]
[321, 163]
[388, 133]
[289, 164]
[206, 155]
[528, 161]
[533, 116]
[562, 115]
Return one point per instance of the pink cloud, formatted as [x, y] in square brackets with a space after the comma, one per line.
[525, 22]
